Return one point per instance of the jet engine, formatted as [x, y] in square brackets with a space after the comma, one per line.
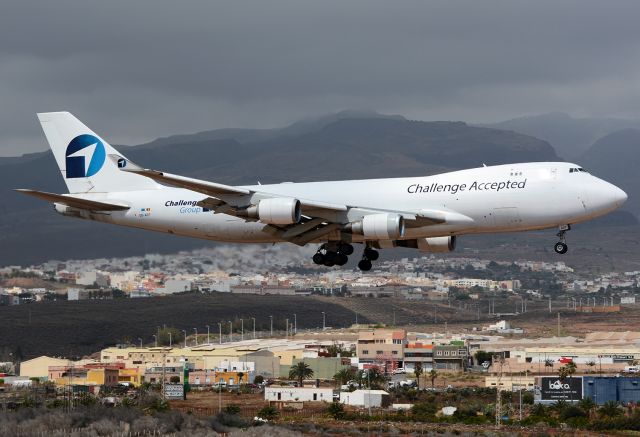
[379, 226]
[276, 211]
[437, 244]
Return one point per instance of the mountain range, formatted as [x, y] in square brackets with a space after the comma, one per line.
[346, 145]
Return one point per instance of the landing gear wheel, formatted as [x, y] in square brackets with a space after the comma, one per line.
[330, 259]
[371, 254]
[341, 259]
[364, 265]
[318, 258]
[561, 247]
[346, 249]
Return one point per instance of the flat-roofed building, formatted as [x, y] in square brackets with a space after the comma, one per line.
[382, 347]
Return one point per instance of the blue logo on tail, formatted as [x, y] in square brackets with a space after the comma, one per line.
[85, 156]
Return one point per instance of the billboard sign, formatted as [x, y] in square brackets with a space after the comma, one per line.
[554, 389]
[174, 391]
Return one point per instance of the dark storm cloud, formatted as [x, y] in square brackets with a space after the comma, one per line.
[135, 70]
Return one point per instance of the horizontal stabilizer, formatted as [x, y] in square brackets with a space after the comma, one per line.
[75, 202]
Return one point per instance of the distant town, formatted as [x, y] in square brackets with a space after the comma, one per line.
[280, 271]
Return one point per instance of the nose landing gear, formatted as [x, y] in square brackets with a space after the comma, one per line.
[561, 246]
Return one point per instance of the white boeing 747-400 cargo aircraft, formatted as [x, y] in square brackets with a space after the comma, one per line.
[422, 212]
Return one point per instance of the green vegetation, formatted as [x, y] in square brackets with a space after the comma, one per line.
[268, 413]
[300, 371]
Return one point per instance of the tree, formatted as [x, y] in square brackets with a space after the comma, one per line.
[548, 363]
[344, 375]
[335, 350]
[610, 409]
[268, 413]
[336, 410]
[259, 379]
[371, 378]
[567, 371]
[300, 371]
[433, 374]
[587, 405]
[418, 372]
[591, 365]
[232, 409]
[174, 379]
[240, 376]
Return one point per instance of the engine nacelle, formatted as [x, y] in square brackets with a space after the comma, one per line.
[380, 226]
[277, 211]
[437, 244]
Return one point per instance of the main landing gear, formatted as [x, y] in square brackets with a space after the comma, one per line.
[337, 254]
[368, 255]
[561, 246]
[333, 254]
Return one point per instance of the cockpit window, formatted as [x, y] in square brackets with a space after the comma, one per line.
[577, 169]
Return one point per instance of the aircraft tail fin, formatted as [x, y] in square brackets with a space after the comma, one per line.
[81, 156]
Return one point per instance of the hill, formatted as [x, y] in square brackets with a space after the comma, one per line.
[342, 146]
[616, 158]
[570, 136]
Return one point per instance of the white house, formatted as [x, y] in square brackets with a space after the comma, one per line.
[299, 394]
[365, 398]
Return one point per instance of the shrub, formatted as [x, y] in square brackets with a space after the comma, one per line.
[268, 413]
[232, 409]
[336, 410]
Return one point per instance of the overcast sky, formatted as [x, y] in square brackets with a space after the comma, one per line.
[135, 70]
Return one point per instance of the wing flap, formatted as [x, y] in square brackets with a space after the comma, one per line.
[75, 202]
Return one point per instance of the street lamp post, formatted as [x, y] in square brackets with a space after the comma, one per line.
[140, 342]
[254, 327]
[170, 340]
[185, 338]
[230, 331]
[241, 329]
[271, 324]
[286, 328]
[220, 330]
[295, 323]
[155, 339]
[196, 330]
[324, 318]
[208, 338]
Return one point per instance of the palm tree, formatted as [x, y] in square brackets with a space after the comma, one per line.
[568, 370]
[610, 409]
[433, 374]
[300, 371]
[240, 376]
[587, 405]
[418, 372]
[344, 375]
[591, 365]
[548, 363]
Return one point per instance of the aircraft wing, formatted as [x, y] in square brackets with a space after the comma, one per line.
[75, 202]
[318, 218]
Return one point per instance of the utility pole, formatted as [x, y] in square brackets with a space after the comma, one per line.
[196, 330]
[170, 340]
[220, 330]
[499, 393]
[241, 329]
[254, 327]
[230, 331]
[558, 324]
[295, 323]
[549, 305]
[155, 340]
[185, 338]
[164, 364]
[208, 337]
[324, 315]
[271, 324]
[286, 328]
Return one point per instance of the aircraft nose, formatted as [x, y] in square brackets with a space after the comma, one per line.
[605, 197]
[619, 195]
